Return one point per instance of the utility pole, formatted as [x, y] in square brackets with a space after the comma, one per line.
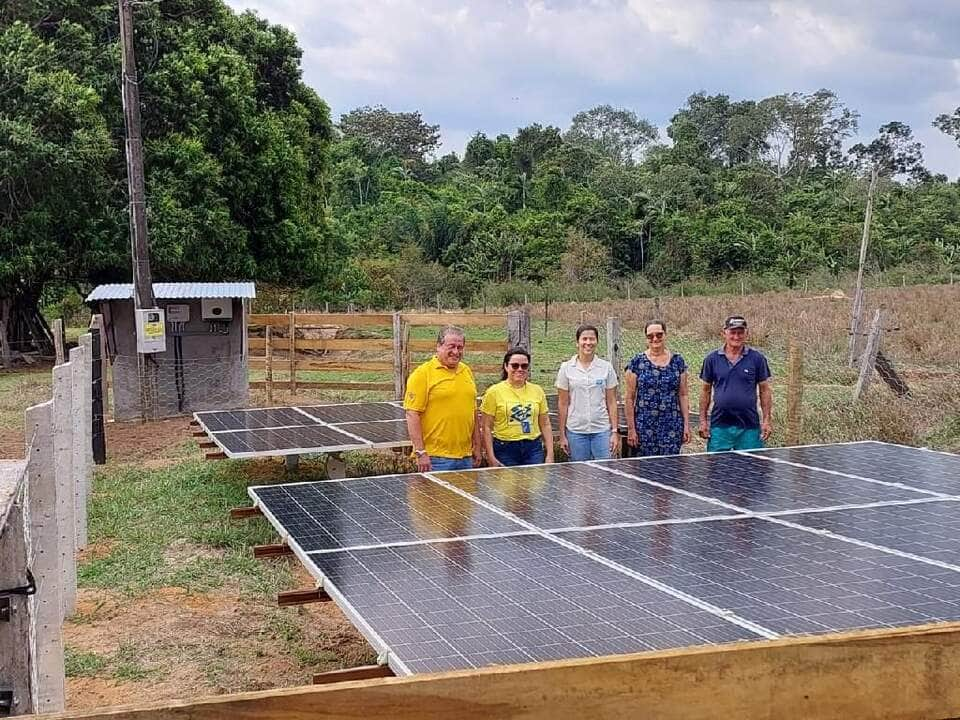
[139, 247]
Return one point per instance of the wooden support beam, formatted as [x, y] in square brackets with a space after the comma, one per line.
[194, 423]
[904, 673]
[242, 513]
[207, 445]
[301, 597]
[363, 672]
[215, 456]
[271, 551]
[198, 434]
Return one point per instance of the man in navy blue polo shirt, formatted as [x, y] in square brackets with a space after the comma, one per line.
[733, 377]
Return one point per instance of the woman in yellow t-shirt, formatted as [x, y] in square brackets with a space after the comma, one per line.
[516, 421]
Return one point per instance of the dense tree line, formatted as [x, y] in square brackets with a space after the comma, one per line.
[247, 177]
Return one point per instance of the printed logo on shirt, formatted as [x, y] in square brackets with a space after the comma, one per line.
[598, 382]
[522, 415]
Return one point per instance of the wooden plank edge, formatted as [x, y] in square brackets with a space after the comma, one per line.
[215, 456]
[241, 513]
[362, 672]
[907, 673]
[301, 597]
[271, 551]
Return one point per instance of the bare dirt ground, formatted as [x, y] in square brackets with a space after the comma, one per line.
[175, 644]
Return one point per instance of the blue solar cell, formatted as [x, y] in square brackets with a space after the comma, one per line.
[577, 495]
[788, 580]
[923, 469]
[756, 484]
[931, 529]
[374, 511]
[463, 604]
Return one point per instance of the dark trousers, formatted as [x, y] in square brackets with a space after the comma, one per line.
[519, 452]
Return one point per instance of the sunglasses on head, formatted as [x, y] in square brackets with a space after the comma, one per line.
[518, 366]
[654, 335]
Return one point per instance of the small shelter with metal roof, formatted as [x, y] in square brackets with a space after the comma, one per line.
[204, 363]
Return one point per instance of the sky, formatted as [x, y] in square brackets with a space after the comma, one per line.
[498, 65]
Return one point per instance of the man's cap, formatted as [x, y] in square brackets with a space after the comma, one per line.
[735, 321]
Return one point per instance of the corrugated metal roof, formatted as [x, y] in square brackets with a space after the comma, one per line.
[176, 291]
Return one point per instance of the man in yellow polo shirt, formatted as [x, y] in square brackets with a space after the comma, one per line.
[441, 405]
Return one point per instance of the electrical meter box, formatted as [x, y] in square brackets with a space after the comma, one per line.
[216, 308]
[178, 313]
[151, 330]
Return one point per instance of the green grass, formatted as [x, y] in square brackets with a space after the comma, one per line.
[79, 663]
[169, 527]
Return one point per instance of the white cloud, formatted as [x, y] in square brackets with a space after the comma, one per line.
[494, 66]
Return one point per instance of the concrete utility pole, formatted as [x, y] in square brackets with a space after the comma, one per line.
[139, 246]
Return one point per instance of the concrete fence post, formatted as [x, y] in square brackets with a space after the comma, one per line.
[63, 426]
[46, 604]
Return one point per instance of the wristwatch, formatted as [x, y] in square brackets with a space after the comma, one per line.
[419, 453]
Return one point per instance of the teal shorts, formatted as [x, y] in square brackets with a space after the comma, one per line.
[733, 438]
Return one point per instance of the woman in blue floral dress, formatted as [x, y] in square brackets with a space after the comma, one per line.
[656, 405]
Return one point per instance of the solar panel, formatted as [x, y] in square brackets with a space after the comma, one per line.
[577, 495]
[255, 418]
[788, 580]
[471, 603]
[355, 412]
[758, 485]
[930, 529]
[289, 440]
[387, 433]
[375, 511]
[917, 468]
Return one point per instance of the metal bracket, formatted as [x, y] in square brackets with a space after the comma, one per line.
[29, 589]
[6, 701]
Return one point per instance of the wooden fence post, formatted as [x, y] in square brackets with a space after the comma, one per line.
[58, 335]
[63, 464]
[98, 382]
[293, 353]
[268, 363]
[15, 633]
[613, 346]
[869, 357]
[856, 317]
[399, 352]
[794, 393]
[518, 328]
[47, 606]
[96, 322]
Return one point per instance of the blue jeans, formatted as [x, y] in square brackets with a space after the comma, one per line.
[443, 463]
[589, 446]
[519, 452]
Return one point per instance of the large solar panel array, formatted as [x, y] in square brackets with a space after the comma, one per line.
[466, 569]
[306, 429]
